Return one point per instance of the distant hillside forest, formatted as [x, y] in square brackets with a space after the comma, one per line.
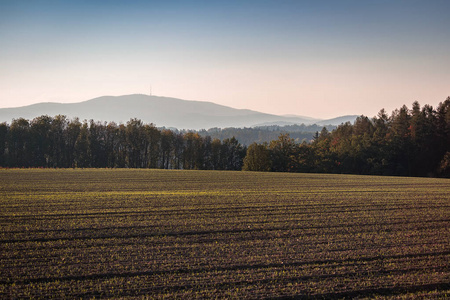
[409, 142]
[261, 134]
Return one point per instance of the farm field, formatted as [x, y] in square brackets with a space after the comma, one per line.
[207, 234]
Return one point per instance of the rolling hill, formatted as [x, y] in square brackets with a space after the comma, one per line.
[161, 111]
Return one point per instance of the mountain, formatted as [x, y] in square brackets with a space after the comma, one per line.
[161, 111]
[338, 120]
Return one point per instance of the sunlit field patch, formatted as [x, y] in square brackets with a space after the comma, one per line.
[205, 234]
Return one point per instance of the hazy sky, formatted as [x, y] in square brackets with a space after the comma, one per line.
[315, 58]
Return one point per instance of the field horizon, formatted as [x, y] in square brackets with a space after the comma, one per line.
[202, 234]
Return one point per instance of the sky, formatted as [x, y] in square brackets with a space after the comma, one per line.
[315, 58]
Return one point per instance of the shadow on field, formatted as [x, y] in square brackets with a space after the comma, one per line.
[266, 209]
[388, 291]
[251, 267]
[369, 292]
[127, 235]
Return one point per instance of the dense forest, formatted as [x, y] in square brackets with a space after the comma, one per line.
[261, 134]
[59, 142]
[409, 142]
[412, 142]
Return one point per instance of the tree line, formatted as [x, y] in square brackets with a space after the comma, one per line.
[52, 142]
[409, 142]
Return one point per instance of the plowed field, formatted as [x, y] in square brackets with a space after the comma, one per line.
[206, 234]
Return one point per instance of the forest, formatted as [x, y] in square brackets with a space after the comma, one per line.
[408, 142]
[267, 133]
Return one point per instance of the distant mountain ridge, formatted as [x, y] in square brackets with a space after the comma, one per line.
[161, 111]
